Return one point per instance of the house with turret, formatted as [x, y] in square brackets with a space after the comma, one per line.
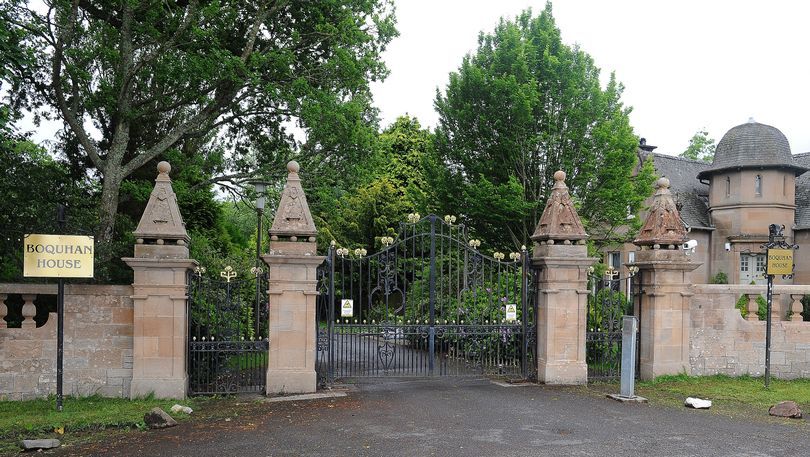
[727, 205]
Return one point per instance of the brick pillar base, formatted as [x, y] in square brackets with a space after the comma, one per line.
[160, 327]
[665, 276]
[562, 289]
[293, 288]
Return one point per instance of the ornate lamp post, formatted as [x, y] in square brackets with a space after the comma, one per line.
[261, 188]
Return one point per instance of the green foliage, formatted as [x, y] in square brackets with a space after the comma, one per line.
[523, 106]
[701, 147]
[358, 211]
[806, 308]
[719, 278]
[762, 306]
[202, 77]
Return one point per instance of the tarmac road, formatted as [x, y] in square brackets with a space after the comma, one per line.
[457, 417]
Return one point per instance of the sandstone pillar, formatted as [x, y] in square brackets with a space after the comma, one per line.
[161, 264]
[293, 286]
[561, 260]
[665, 271]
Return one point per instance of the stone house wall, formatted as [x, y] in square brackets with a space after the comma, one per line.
[98, 344]
[723, 342]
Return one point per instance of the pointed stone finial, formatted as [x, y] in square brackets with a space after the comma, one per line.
[293, 218]
[560, 220]
[161, 220]
[663, 225]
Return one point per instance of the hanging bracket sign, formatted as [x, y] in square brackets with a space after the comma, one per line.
[780, 262]
[58, 256]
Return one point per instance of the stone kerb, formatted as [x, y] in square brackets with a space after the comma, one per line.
[161, 266]
[560, 258]
[292, 290]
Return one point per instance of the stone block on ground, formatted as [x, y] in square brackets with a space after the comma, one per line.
[157, 418]
[786, 409]
[31, 445]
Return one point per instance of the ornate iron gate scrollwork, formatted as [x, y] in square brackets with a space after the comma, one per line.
[612, 297]
[429, 303]
[228, 334]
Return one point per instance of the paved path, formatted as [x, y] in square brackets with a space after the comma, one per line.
[464, 418]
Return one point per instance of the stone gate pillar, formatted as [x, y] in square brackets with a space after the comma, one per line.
[293, 286]
[561, 260]
[665, 272]
[161, 264]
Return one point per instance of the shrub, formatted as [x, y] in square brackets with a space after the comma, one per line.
[720, 278]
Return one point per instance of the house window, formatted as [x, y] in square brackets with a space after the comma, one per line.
[728, 187]
[758, 186]
[784, 185]
[631, 257]
[614, 260]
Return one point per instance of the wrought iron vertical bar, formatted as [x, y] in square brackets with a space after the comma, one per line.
[524, 316]
[330, 319]
[432, 298]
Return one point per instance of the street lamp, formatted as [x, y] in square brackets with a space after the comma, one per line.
[261, 188]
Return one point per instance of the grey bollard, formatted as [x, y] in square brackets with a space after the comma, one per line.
[629, 332]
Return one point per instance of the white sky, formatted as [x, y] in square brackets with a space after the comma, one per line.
[686, 65]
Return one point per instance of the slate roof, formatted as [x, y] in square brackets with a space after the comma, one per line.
[802, 192]
[752, 145]
[691, 195]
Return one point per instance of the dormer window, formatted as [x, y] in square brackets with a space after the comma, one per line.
[758, 186]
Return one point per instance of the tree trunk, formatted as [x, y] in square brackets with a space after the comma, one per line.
[109, 206]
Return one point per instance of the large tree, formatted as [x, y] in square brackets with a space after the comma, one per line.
[133, 79]
[701, 147]
[523, 106]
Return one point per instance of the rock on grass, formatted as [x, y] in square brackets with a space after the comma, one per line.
[157, 418]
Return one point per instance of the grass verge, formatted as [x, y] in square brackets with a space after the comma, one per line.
[39, 418]
[726, 389]
[738, 397]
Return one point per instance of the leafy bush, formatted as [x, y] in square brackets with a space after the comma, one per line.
[762, 306]
[720, 278]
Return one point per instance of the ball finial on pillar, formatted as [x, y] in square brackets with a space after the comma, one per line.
[293, 167]
[164, 167]
[559, 175]
[662, 183]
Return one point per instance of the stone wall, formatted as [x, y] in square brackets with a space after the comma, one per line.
[98, 344]
[723, 342]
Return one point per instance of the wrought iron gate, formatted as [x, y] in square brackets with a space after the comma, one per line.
[428, 304]
[612, 297]
[228, 339]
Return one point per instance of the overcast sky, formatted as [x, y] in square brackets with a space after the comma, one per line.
[686, 65]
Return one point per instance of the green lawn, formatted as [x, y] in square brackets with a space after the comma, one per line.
[744, 390]
[39, 418]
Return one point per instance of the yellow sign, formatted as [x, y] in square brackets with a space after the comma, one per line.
[347, 308]
[511, 312]
[780, 262]
[58, 256]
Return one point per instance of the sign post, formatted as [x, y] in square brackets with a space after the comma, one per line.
[780, 262]
[58, 256]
